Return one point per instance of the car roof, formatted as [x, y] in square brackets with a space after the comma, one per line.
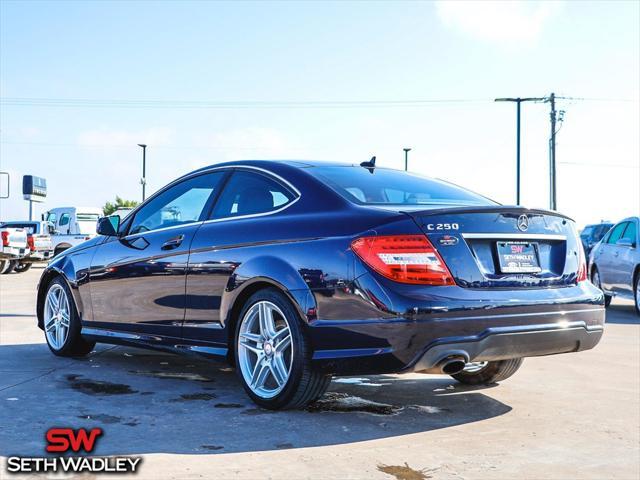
[276, 163]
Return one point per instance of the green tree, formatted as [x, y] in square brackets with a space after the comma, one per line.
[111, 207]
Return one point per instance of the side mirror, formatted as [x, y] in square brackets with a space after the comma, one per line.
[625, 242]
[108, 226]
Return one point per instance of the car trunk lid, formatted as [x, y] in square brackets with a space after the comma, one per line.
[503, 247]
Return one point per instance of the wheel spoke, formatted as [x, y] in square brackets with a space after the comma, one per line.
[279, 370]
[281, 334]
[283, 343]
[260, 373]
[252, 337]
[50, 325]
[267, 327]
[58, 336]
[252, 348]
[64, 319]
[54, 302]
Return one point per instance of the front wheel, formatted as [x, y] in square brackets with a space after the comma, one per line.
[62, 323]
[22, 267]
[272, 354]
[481, 373]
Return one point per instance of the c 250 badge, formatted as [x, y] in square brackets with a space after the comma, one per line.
[442, 226]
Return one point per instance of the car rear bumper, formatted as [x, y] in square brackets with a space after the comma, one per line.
[11, 253]
[39, 256]
[562, 320]
[514, 342]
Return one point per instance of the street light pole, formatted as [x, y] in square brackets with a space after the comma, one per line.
[143, 180]
[406, 158]
[552, 154]
[518, 101]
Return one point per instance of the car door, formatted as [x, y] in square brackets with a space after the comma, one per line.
[605, 257]
[137, 279]
[622, 261]
[239, 219]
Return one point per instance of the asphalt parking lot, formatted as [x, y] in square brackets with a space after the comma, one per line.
[567, 416]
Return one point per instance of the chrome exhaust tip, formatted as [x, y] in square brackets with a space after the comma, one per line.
[452, 365]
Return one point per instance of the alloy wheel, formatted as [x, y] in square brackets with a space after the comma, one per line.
[265, 349]
[57, 316]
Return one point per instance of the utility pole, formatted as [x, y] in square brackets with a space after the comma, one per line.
[143, 180]
[406, 158]
[518, 101]
[552, 154]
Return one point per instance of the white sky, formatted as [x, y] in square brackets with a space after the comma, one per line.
[306, 52]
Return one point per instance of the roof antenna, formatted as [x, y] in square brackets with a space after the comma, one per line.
[370, 165]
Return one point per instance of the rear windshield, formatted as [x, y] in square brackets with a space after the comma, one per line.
[28, 227]
[394, 187]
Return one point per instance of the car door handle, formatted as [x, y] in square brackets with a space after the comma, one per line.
[173, 242]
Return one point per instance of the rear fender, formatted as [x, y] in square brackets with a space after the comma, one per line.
[261, 272]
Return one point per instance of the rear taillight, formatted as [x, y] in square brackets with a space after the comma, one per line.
[5, 239]
[582, 264]
[31, 243]
[404, 258]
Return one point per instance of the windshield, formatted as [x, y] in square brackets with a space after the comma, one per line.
[394, 187]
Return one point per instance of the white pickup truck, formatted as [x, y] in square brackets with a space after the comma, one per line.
[13, 247]
[40, 247]
[72, 226]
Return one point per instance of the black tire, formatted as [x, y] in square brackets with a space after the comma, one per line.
[595, 279]
[304, 385]
[7, 266]
[22, 267]
[493, 372]
[74, 345]
[58, 251]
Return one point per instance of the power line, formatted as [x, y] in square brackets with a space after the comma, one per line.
[217, 104]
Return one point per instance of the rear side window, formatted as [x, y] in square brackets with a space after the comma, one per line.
[394, 187]
[249, 193]
[64, 219]
[616, 233]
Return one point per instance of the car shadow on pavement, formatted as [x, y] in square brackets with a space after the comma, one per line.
[148, 402]
[623, 313]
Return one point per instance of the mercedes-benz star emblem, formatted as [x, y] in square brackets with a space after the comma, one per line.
[523, 223]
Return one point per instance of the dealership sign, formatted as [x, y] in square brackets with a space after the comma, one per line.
[34, 188]
[66, 440]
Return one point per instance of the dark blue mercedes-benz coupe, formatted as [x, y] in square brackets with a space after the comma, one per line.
[296, 271]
